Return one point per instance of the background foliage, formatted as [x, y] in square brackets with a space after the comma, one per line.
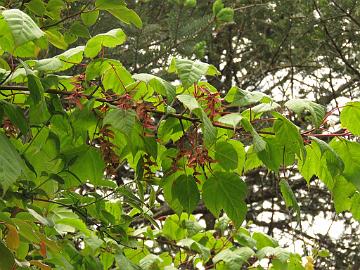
[120, 150]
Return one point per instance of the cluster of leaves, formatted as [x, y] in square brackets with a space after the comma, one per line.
[65, 140]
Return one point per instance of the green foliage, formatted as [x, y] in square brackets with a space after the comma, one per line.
[226, 191]
[89, 152]
[316, 111]
[350, 117]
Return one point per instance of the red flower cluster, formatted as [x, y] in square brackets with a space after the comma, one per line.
[144, 116]
[124, 102]
[107, 149]
[196, 153]
[210, 100]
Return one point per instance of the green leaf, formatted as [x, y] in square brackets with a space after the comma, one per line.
[125, 264]
[263, 240]
[35, 86]
[264, 107]
[71, 57]
[310, 165]
[56, 38]
[23, 28]
[6, 257]
[259, 143]
[169, 198]
[173, 228]
[11, 164]
[240, 150]
[115, 77]
[16, 116]
[334, 163]
[191, 103]
[195, 246]
[109, 4]
[273, 155]
[150, 262]
[342, 194]
[126, 15]
[289, 135]
[107, 259]
[226, 191]
[316, 163]
[238, 97]
[121, 120]
[191, 72]
[209, 131]
[226, 155]
[88, 165]
[316, 111]
[40, 218]
[119, 10]
[271, 252]
[161, 86]
[350, 117]
[349, 152]
[289, 197]
[234, 259]
[80, 30]
[37, 7]
[90, 17]
[76, 224]
[186, 191]
[231, 119]
[355, 206]
[48, 64]
[110, 39]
